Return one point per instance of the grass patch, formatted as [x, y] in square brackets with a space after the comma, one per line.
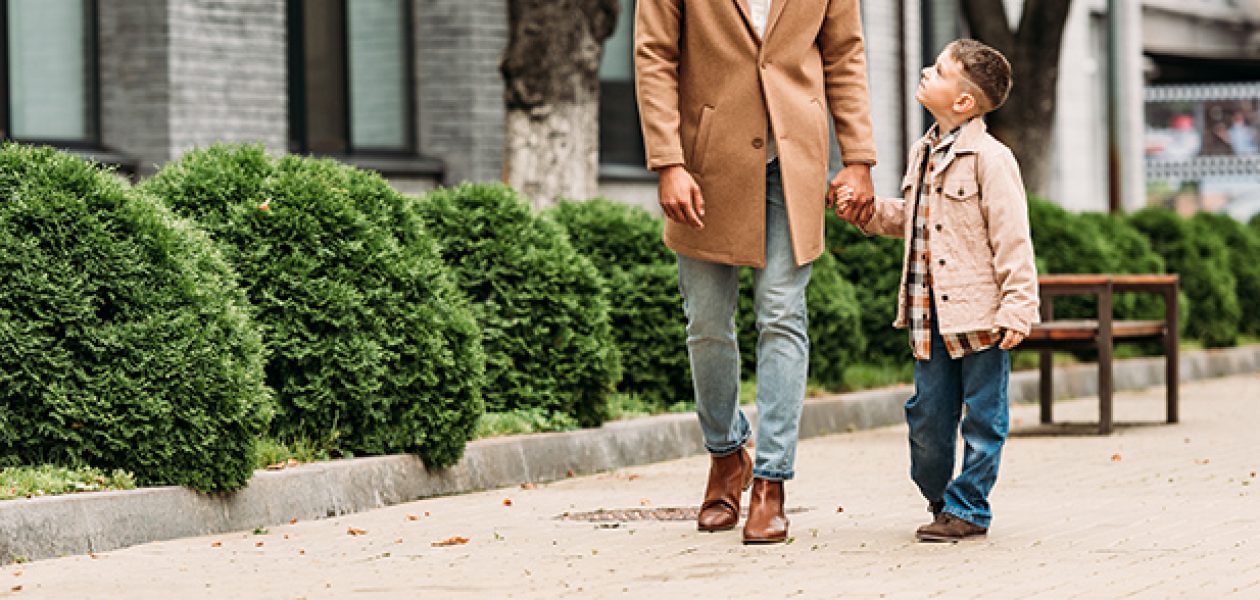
[513, 422]
[271, 451]
[866, 376]
[47, 480]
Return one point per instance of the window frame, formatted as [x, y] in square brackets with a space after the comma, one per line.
[92, 140]
[298, 90]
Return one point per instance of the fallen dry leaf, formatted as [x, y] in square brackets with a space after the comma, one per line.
[216, 545]
[356, 531]
[1115, 458]
[1202, 461]
[528, 486]
[633, 476]
[92, 555]
[507, 502]
[17, 588]
[398, 541]
[568, 473]
[293, 521]
[1253, 473]
[258, 544]
[413, 518]
[17, 573]
[301, 552]
[644, 502]
[839, 509]
[426, 513]
[450, 541]
[286, 536]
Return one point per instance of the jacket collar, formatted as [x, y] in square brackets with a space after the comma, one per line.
[968, 138]
[776, 9]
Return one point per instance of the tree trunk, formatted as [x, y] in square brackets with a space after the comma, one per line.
[1026, 122]
[551, 75]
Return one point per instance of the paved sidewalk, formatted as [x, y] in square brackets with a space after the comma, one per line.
[1152, 511]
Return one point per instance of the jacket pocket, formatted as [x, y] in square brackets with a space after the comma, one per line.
[700, 145]
[961, 189]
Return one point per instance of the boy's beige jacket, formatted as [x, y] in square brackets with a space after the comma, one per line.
[706, 84]
[983, 270]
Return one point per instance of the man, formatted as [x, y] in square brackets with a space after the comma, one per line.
[734, 107]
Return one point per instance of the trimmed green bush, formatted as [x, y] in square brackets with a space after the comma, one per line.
[835, 324]
[1244, 261]
[645, 308]
[125, 341]
[373, 348]
[873, 266]
[1192, 250]
[540, 304]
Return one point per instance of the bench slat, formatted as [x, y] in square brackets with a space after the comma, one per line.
[1087, 329]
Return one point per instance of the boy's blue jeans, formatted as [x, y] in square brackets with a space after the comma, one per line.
[710, 294]
[943, 386]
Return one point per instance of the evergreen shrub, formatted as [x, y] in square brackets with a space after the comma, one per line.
[644, 305]
[1200, 257]
[125, 340]
[1244, 261]
[872, 265]
[541, 305]
[835, 324]
[374, 350]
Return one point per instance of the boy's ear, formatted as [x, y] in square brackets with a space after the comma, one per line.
[965, 103]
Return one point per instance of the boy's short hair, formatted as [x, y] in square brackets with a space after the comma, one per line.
[986, 69]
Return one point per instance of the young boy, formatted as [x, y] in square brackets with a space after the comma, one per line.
[968, 283]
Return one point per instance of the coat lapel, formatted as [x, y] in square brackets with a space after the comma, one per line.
[747, 15]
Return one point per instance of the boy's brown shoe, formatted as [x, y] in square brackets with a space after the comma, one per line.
[948, 528]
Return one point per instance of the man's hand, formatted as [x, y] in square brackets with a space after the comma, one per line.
[680, 197]
[857, 177]
[1010, 339]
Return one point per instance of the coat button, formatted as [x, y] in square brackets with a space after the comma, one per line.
[961, 191]
[938, 227]
[939, 190]
[945, 298]
[758, 143]
[942, 262]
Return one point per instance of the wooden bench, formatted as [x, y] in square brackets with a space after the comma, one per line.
[1103, 333]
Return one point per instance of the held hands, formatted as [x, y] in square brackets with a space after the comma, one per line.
[680, 197]
[850, 209]
[853, 195]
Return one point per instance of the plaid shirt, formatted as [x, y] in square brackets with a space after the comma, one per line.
[919, 277]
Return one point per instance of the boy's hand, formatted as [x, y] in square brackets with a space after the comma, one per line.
[1010, 339]
[851, 209]
[857, 177]
[680, 197]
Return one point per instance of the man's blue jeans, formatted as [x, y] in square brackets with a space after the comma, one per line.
[710, 294]
[943, 386]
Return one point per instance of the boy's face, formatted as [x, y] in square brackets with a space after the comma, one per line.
[944, 91]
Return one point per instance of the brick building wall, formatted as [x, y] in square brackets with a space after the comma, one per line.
[228, 74]
[133, 43]
[460, 92]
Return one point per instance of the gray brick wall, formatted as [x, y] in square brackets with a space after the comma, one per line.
[134, 87]
[228, 73]
[460, 92]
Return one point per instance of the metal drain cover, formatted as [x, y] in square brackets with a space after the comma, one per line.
[666, 513]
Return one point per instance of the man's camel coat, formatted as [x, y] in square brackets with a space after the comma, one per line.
[706, 85]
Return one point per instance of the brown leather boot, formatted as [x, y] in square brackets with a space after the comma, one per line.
[948, 528]
[729, 476]
[767, 524]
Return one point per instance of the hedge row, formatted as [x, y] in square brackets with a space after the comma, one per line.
[162, 329]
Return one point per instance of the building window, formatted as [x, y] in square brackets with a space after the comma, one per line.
[48, 82]
[620, 139]
[350, 77]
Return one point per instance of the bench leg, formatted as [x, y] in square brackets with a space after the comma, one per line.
[1045, 363]
[1172, 362]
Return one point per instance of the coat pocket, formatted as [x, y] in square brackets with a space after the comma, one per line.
[700, 144]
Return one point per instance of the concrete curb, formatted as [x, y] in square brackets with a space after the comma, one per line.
[46, 527]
